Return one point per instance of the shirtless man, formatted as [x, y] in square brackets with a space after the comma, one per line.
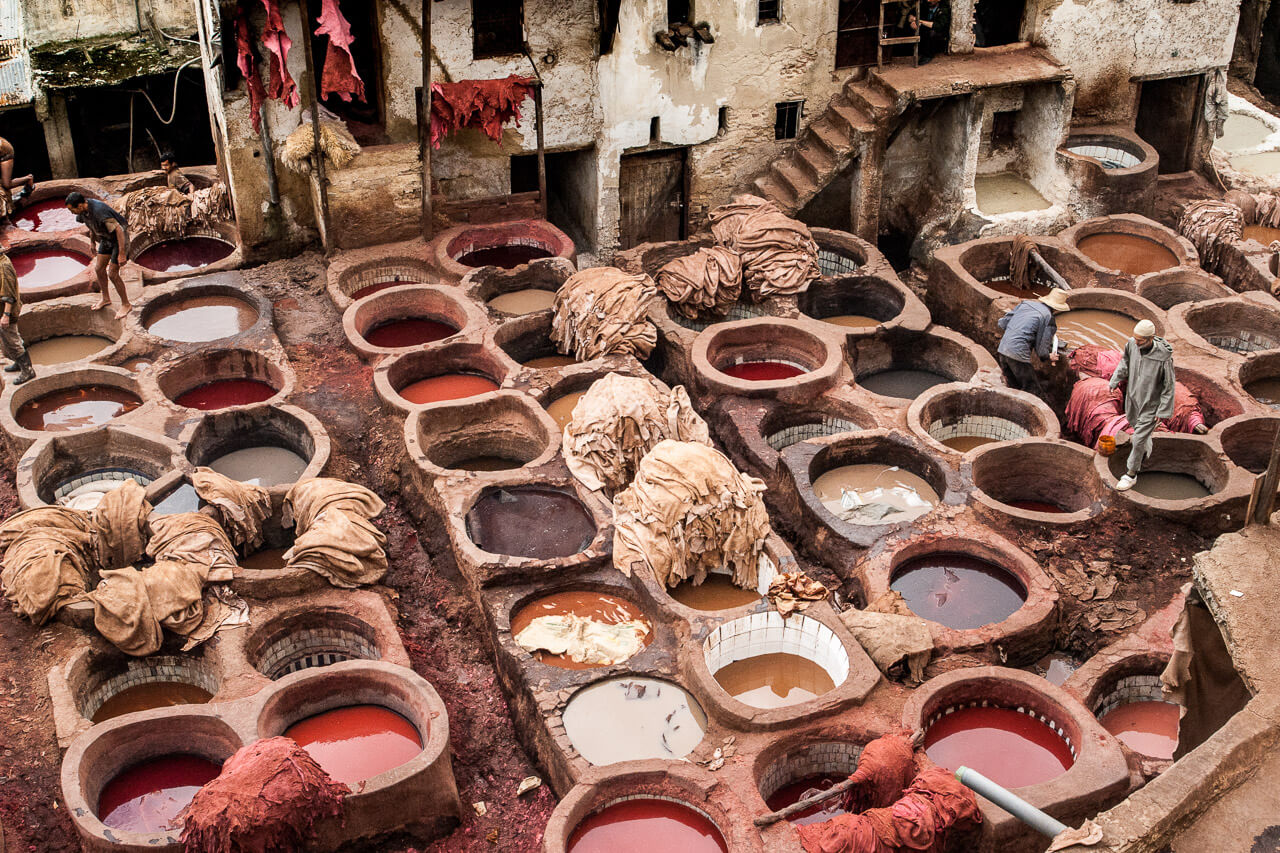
[7, 181]
[109, 232]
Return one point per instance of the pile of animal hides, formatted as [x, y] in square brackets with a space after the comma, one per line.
[604, 311]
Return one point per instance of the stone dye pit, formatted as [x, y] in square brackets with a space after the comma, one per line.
[200, 318]
[185, 255]
[1127, 253]
[639, 825]
[958, 591]
[46, 216]
[1010, 747]
[42, 269]
[632, 718]
[598, 607]
[78, 407]
[766, 663]
[530, 522]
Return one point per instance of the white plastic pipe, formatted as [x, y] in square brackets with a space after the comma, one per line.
[1010, 802]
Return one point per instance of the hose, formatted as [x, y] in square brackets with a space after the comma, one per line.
[174, 112]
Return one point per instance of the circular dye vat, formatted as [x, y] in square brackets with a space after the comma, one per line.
[1265, 391]
[530, 521]
[803, 789]
[762, 371]
[903, 384]
[1127, 253]
[150, 797]
[1262, 234]
[46, 216]
[41, 268]
[965, 443]
[1265, 164]
[190, 253]
[852, 321]
[609, 609]
[1242, 131]
[561, 408]
[182, 499]
[547, 362]
[202, 318]
[486, 463]
[644, 826]
[774, 680]
[266, 560]
[869, 493]
[528, 301]
[716, 592]
[1007, 287]
[507, 257]
[370, 289]
[1092, 326]
[225, 393]
[65, 348]
[958, 591]
[1035, 506]
[627, 719]
[408, 332]
[1008, 747]
[76, 408]
[148, 696]
[261, 466]
[358, 742]
[450, 386]
[1169, 486]
[1147, 727]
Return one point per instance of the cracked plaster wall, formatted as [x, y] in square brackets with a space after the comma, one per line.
[62, 20]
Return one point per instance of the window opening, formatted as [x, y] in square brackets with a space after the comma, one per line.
[499, 27]
[787, 123]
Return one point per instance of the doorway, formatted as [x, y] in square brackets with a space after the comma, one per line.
[858, 31]
[571, 190]
[998, 22]
[363, 118]
[652, 186]
[1168, 114]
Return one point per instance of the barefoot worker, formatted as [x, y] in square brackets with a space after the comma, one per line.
[1147, 366]
[109, 231]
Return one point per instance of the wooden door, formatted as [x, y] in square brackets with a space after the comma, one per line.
[858, 31]
[652, 187]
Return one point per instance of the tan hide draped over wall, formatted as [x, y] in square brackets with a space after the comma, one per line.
[704, 283]
[605, 311]
[49, 553]
[242, 506]
[779, 256]
[687, 512]
[618, 421]
[335, 535]
[1210, 225]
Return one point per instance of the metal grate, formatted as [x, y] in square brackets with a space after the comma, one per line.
[833, 264]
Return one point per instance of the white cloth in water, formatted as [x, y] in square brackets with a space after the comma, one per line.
[584, 640]
[88, 496]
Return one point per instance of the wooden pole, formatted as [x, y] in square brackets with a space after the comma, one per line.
[1049, 271]
[542, 151]
[424, 123]
[1263, 500]
[794, 808]
[317, 153]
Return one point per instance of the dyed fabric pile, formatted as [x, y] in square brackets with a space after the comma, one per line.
[48, 554]
[242, 507]
[247, 62]
[778, 254]
[704, 283]
[485, 105]
[165, 212]
[892, 635]
[121, 519]
[584, 640]
[687, 512]
[793, 591]
[336, 143]
[618, 421]
[1097, 362]
[1094, 410]
[1210, 225]
[335, 533]
[340, 76]
[604, 311]
[267, 799]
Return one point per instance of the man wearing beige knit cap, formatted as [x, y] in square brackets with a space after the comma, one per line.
[1147, 365]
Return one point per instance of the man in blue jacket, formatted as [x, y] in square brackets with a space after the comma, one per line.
[1029, 327]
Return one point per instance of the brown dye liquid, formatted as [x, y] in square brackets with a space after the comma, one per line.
[1006, 286]
[150, 695]
[903, 384]
[852, 321]
[717, 592]
[526, 301]
[1147, 727]
[76, 408]
[1169, 486]
[507, 257]
[66, 348]
[965, 443]
[202, 318]
[485, 463]
[450, 386]
[530, 521]
[910, 494]
[958, 591]
[548, 361]
[589, 605]
[626, 719]
[1262, 234]
[774, 680]
[1035, 506]
[1084, 326]
[561, 408]
[1127, 253]
[266, 560]
[1266, 391]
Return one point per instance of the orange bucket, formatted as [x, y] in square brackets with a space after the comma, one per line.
[1107, 444]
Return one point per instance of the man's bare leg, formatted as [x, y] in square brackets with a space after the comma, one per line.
[100, 276]
[6, 177]
[113, 270]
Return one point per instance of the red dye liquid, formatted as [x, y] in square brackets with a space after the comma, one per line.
[358, 742]
[1009, 748]
[370, 289]
[506, 257]
[450, 386]
[225, 393]
[45, 216]
[646, 826]
[1036, 506]
[530, 521]
[148, 797]
[41, 268]
[181, 255]
[76, 408]
[1147, 727]
[789, 795]
[409, 332]
[762, 371]
[958, 591]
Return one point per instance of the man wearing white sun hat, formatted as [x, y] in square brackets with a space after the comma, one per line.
[1147, 364]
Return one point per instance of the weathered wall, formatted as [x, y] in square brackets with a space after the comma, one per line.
[60, 20]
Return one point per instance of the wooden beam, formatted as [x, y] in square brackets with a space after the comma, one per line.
[424, 123]
[1262, 501]
[317, 153]
[542, 150]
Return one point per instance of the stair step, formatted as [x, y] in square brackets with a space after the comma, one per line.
[815, 157]
[853, 118]
[771, 187]
[832, 137]
[791, 173]
[868, 98]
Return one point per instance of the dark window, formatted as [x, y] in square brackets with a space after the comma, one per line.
[499, 27]
[655, 130]
[769, 12]
[1003, 126]
[787, 124]
[723, 123]
[679, 11]
[524, 173]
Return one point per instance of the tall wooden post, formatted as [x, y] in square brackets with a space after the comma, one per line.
[317, 152]
[424, 124]
[542, 151]
[1262, 501]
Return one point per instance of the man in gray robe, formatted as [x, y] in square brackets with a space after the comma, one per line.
[1147, 364]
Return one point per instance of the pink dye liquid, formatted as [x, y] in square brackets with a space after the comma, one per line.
[507, 257]
[46, 216]
[451, 386]
[41, 268]
[789, 795]
[762, 371]
[408, 332]
[958, 591]
[224, 393]
[182, 255]
[646, 826]
[1009, 748]
[150, 796]
[1147, 727]
[358, 742]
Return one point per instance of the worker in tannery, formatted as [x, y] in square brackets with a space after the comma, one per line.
[1147, 367]
[1029, 326]
[173, 175]
[10, 307]
[110, 234]
[934, 27]
[8, 182]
